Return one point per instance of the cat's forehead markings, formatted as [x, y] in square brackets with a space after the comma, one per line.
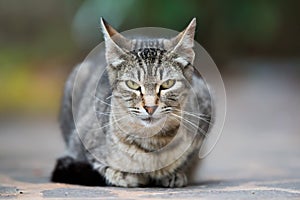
[151, 79]
[148, 43]
[148, 53]
[147, 58]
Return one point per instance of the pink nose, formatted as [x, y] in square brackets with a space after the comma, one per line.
[150, 109]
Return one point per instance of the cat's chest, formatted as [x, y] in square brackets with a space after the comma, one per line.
[130, 158]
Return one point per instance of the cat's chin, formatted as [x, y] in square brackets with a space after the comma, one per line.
[151, 121]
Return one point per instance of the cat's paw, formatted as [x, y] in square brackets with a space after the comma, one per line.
[175, 180]
[124, 179]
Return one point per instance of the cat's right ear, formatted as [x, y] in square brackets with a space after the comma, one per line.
[115, 44]
[183, 43]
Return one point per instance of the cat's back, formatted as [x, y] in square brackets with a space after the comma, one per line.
[86, 85]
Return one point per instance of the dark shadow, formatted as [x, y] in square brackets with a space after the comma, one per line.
[67, 170]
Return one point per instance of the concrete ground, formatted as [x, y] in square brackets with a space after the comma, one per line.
[257, 156]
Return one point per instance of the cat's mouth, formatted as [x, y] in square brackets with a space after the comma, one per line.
[148, 119]
[151, 121]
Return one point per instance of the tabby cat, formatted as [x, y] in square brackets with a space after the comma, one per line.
[153, 111]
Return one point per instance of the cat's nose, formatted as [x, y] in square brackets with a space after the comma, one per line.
[150, 109]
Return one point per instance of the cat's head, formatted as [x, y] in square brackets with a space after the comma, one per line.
[150, 77]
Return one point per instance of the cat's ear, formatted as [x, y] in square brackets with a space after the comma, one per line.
[116, 44]
[183, 43]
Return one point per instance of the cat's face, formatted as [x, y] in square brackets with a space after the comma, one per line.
[150, 83]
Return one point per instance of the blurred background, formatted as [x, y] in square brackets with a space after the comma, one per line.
[41, 41]
[255, 44]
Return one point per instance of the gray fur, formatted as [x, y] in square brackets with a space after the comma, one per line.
[126, 150]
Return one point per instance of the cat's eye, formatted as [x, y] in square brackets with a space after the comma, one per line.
[167, 84]
[132, 85]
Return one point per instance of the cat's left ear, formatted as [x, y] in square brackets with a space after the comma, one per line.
[183, 43]
[115, 44]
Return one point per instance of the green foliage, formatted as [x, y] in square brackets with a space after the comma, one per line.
[38, 35]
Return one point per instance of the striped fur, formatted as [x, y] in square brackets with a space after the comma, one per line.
[135, 147]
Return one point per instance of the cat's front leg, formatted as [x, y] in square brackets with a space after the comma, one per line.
[177, 179]
[125, 179]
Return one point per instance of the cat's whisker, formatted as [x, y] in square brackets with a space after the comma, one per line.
[109, 123]
[196, 114]
[191, 112]
[101, 113]
[108, 114]
[191, 123]
[185, 126]
[101, 101]
[189, 128]
[198, 117]
[180, 117]
[166, 110]
[134, 111]
[109, 96]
